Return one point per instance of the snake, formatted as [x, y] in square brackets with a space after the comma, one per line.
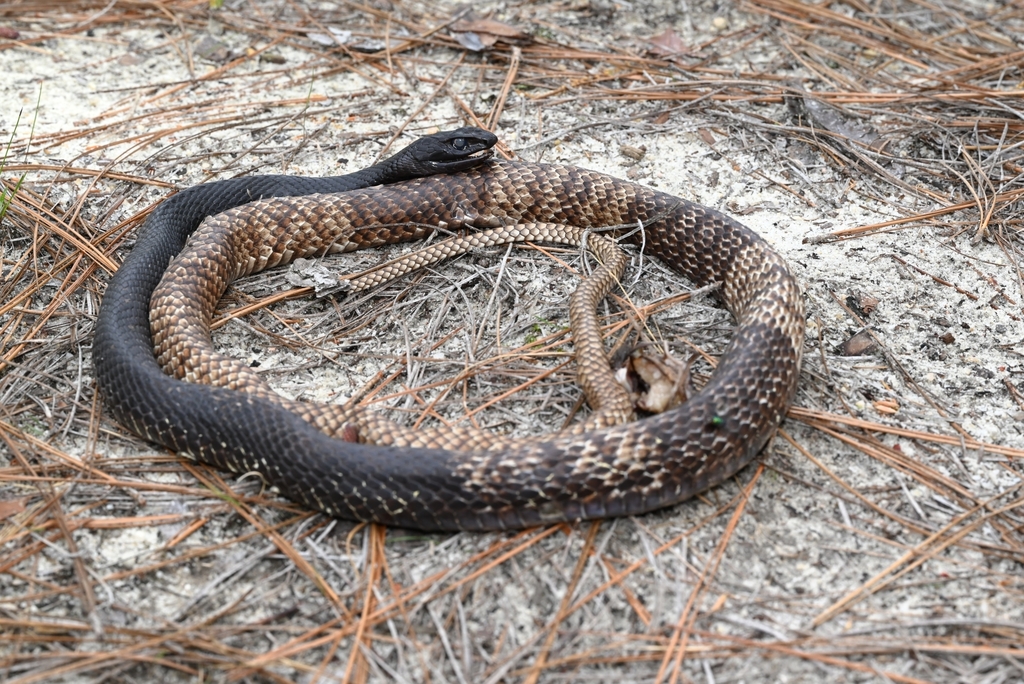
[624, 469]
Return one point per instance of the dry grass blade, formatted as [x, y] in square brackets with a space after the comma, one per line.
[676, 648]
[563, 608]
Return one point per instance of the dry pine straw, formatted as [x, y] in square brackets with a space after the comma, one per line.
[372, 600]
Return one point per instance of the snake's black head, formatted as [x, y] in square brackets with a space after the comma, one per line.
[447, 151]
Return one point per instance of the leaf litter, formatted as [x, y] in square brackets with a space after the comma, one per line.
[878, 146]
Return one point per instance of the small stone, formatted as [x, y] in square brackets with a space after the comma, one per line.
[130, 59]
[212, 49]
[860, 344]
[862, 304]
[867, 303]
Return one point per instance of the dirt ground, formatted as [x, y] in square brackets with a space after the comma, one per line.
[876, 145]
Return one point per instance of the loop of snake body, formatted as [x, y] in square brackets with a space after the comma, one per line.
[621, 470]
[183, 305]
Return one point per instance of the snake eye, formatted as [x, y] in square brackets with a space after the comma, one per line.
[459, 143]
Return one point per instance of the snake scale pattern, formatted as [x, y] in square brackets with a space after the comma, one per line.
[620, 470]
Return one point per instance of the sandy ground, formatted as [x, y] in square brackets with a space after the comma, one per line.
[907, 521]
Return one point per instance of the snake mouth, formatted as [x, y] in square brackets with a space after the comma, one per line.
[469, 161]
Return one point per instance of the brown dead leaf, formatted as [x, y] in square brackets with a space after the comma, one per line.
[887, 406]
[662, 381]
[668, 44]
[12, 507]
[474, 41]
[860, 344]
[480, 34]
[491, 27]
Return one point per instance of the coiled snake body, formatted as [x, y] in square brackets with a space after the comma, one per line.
[621, 470]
